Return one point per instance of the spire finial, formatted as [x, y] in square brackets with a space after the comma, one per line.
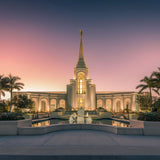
[81, 62]
[81, 33]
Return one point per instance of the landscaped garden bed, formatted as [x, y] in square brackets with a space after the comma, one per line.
[10, 122]
[149, 123]
[11, 116]
[152, 116]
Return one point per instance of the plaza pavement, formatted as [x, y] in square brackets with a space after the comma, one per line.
[79, 144]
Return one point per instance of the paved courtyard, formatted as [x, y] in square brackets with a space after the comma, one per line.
[80, 142]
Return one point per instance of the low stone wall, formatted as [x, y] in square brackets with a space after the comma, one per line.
[23, 127]
[129, 131]
[60, 127]
[150, 128]
[11, 127]
[52, 128]
[136, 123]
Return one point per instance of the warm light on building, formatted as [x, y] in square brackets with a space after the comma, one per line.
[81, 92]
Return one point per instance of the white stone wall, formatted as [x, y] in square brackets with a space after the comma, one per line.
[119, 100]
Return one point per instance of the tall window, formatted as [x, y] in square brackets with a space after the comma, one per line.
[81, 102]
[81, 83]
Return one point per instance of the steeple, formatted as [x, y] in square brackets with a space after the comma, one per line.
[81, 62]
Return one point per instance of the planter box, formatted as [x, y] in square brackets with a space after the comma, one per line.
[10, 127]
[150, 128]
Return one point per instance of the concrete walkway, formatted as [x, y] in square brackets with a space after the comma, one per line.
[79, 144]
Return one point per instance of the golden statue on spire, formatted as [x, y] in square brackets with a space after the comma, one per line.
[81, 33]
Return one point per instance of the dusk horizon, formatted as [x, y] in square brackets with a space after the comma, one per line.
[40, 42]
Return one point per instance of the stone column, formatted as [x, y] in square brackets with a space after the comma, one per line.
[49, 99]
[112, 104]
[38, 101]
[122, 103]
[104, 103]
[57, 103]
[133, 105]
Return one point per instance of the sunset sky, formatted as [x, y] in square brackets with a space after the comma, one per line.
[39, 41]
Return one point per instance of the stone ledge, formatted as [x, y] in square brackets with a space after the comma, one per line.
[62, 127]
[10, 127]
[23, 127]
[150, 128]
[129, 131]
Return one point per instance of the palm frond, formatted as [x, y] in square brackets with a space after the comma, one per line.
[156, 90]
[19, 84]
[142, 89]
[3, 93]
[141, 85]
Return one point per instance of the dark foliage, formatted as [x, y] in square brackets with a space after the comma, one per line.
[153, 116]
[11, 116]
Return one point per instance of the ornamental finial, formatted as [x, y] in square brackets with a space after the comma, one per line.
[81, 33]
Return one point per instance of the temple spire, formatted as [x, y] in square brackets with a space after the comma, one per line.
[81, 62]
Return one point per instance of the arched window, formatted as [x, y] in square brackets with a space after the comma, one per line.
[62, 103]
[43, 106]
[127, 104]
[81, 88]
[99, 103]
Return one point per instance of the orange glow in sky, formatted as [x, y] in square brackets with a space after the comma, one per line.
[42, 47]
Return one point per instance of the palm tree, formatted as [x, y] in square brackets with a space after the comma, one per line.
[149, 83]
[156, 79]
[3, 85]
[13, 84]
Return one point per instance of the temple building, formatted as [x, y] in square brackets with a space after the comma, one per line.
[81, 92]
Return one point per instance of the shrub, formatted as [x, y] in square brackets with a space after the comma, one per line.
[144, 102]
[11, 116]
[149, 116]
[22, 102]
[4, 106]
[60, 109]
[101, 109]
[156, 105]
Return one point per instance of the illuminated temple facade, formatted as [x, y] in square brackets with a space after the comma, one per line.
[81, 92]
